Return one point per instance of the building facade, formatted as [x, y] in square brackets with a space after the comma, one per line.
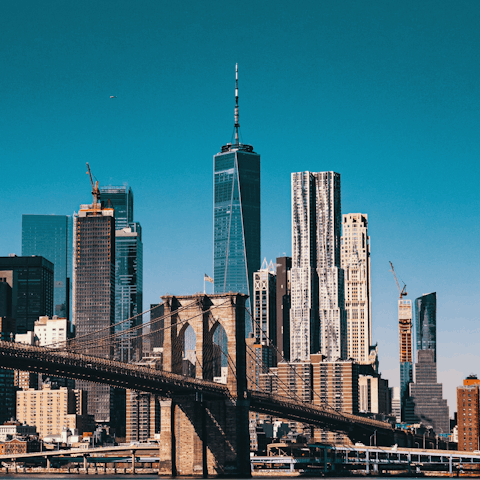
[94, 294]
[468, 414]
[264, 304]
[50, 410]
[50, 236]
[356, 267]
[317, 315]
[426, 322]
[236, 216]
[128, 270]
[31, 283]
[284, 298]
[406, 349]
[426, 403]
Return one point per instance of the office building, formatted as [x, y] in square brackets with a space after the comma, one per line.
[317, 315]
[236, 216]
[128, 271]
[426, 404]
[94, 295]
[50, 410]
[406, 352]
[356, 266]
[426, 323]
[129, 291]
[264, 304]
[468, 414]
[374, 394]
[283, 288]
[50, 236]
[31, 283]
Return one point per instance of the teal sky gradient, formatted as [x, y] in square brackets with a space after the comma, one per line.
[384, 92]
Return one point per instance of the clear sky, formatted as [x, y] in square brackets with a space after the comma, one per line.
[384, 92]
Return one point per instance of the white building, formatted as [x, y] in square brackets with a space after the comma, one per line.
[51, 332]
[317, 315]
[264, 303]
[11, 430]
[356, 265]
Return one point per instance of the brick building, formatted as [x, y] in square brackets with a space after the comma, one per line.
[468, 414]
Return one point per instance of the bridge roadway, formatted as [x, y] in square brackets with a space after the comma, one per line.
[61, 363]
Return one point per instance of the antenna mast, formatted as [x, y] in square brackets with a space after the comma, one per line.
[237, 124]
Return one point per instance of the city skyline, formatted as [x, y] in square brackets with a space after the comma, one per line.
[388, 97]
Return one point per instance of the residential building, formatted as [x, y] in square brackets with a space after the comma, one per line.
[12, 429]
[317, 315]
[396, 404]
[94, 296]
[50, 236]
[426, 323]
[128, 271]
[406, 352]
[374, 394]
[31, 283]
[236, 216]
[426, 404]
[356, 265]
[283, 288]
[468, 414]
[50, 410]
[51, 332]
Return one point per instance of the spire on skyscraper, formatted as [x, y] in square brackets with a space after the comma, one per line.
[237, 124]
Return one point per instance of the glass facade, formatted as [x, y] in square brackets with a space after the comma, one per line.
[128, 270]
[50, 236]
[426, 323]
[31, 283]
[236, 249]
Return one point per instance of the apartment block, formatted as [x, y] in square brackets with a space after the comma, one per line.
[50, 410]
[468, 414]
[143, 416]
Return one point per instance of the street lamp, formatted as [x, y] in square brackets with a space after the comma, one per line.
[374, 435]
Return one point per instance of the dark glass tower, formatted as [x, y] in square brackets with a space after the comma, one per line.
[50, 236]
[31, 283]
[236, 230]
[426, 323]
[128, 270]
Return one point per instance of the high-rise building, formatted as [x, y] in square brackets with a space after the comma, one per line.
[317, 315]
[356, 265]
[406, 352]
[236, 229]
[284, 265]
[94, 293]
[50, 236]
[426, 403]
[468, 414]
[426, 322]
[128, 271]
[264, 305]
[31, 283]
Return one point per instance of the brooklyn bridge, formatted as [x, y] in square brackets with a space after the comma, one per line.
[204, 424]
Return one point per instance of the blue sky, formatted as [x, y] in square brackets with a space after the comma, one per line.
[384, 92]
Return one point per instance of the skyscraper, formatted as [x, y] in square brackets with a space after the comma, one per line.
[94, 292]
[284, 298]
[236, 229]
[50, 236]
[426, 323]
[128, 270]
[356, 265]
[31, 283]
[317, 315]
[406, 353]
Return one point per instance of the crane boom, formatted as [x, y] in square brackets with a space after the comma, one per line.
[402, 292]
[95, 189]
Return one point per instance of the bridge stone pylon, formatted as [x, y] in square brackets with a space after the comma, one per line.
[199, 435]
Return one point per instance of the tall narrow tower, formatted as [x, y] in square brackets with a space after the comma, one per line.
[356, 265]
[94, 292]
[236, 215]
[317, 316]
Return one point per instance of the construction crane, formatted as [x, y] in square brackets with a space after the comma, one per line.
[95, 189]
[402, 291]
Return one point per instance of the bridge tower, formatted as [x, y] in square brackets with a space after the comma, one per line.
[206, 436]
